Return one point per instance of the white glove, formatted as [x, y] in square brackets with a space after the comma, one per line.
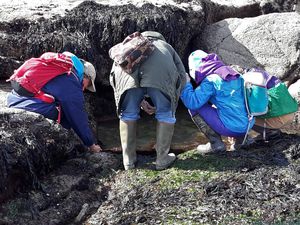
[147, 107]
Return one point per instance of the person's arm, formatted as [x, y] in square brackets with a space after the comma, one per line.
[72, 106]
[73, 112]
[76, 116]
[68, 93]
[180, 68]
[195, 98]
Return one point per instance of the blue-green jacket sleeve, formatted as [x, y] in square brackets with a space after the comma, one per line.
[195, 98]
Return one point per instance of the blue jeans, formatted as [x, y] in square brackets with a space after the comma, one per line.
[130, 105]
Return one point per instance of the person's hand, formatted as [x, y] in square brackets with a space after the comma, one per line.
[187, 77]
[147, 107]
[95, 148]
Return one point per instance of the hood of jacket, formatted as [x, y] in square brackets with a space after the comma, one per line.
[153, 35]
[211, 64]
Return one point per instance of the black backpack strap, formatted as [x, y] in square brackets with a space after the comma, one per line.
[20, 90]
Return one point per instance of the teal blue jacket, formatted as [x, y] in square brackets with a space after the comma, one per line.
[227, 96]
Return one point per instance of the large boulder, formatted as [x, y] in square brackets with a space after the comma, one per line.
[90, 28]
[268, 41]
[31, 146]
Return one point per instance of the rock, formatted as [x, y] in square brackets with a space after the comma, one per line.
[90, 28]
[294, 90]
[264, 6]
[69, 193]
[268, 41]
[30, 147]
[82, 213]
[271, 6]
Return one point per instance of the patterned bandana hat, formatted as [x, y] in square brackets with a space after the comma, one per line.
[195, 61]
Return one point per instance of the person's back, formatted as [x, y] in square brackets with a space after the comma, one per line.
[161, 77]
[68, 107]
[227, 99]
[217, 104]
[281, 107]
[163, 70]
[160, 67]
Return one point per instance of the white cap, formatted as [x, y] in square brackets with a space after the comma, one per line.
[90, 71]
[68, 54]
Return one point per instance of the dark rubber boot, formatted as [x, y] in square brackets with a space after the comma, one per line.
[215, 142]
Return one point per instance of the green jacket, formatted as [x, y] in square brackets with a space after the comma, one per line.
[280, 102]
[163, 70]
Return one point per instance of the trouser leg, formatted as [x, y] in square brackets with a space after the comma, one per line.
[266, 133]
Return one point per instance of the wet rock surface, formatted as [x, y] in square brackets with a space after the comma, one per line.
[66, 196]
[32, 146]
[259, 185]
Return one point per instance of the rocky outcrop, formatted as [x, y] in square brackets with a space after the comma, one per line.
[269, 41]
[90, 28]
[67, 196]
[31, 145]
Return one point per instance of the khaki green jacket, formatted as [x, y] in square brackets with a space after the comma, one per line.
[162, 70]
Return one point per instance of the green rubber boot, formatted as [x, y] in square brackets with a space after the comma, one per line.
[128, 142]
[164, 134]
